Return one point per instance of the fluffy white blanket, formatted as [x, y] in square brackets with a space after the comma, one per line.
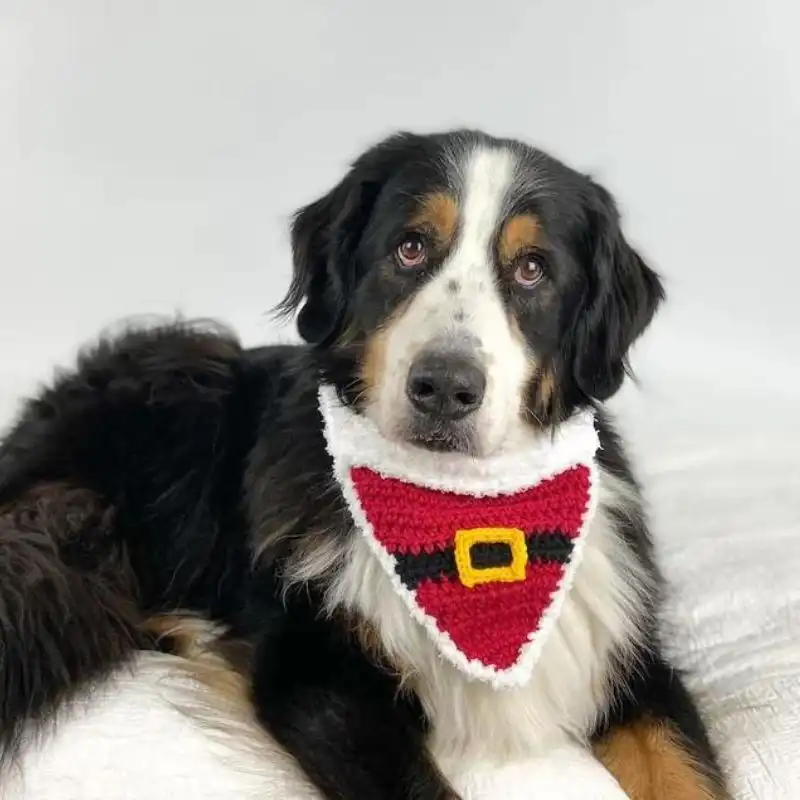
[131, 742]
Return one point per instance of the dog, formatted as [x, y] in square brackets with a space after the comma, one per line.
[460, 292]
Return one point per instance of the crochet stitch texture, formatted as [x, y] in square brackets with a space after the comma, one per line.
[490, 620]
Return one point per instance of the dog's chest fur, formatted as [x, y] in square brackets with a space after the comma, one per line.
[598, 625]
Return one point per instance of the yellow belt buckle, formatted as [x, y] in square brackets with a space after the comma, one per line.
[470, 575]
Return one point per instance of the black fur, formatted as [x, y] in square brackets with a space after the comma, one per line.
[67, 613]
[344, 720]
[145, 480]
[617, 303]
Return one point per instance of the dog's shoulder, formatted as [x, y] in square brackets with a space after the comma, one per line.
[159, 423]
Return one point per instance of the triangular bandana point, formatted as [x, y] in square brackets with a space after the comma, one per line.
[482, 551]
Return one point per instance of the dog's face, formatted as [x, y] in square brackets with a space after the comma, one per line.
[464, 290]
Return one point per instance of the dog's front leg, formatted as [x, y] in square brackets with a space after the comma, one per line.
[341, 717]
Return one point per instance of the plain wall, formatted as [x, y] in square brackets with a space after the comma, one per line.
[152, 153]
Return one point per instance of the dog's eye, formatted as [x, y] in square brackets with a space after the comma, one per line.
[411, 252]
[528, 270]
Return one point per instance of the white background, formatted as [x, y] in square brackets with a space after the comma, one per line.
[152, 151]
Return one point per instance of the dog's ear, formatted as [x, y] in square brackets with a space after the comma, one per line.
[619, 299]
[325, 237]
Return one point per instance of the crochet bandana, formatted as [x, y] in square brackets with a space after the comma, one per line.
[482, 551]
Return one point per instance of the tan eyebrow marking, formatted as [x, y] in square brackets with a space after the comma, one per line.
[438, 214]
[520, 233]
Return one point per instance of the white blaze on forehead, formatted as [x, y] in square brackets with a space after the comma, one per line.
[462, 306]
[488, 178]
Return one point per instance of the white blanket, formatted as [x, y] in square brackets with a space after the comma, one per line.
[132, 743]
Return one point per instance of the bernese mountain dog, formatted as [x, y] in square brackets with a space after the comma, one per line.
[462, 293]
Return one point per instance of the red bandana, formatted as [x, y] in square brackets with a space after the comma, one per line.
[482, 551]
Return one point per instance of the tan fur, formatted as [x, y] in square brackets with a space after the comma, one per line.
[374, 360]
[205, 678]
[373, 364]
[547, 387]
[649, 762]
[438, 217]
[548, 406]
[520, 233]
[218, 666]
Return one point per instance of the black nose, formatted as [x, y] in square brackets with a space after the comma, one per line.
[446, 385]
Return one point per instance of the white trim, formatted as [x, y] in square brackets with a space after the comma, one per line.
[353, 441]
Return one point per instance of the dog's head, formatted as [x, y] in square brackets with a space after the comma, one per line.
[461, 289]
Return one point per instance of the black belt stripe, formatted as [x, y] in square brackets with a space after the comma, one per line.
[415, 567]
